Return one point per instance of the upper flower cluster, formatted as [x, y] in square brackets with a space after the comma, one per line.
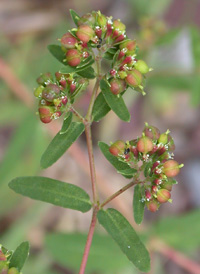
[152, 155]
[5, 256]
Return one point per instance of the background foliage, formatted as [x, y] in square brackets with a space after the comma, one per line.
[169, 40]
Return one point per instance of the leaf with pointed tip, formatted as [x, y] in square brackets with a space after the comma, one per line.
[52, 191]
[125, 236]
[138, 204]
[75, 16]
[115, 102]
[60, 143]
[66, 123]
[19, 256]
[57, 52]
[100, 108]
[122, 168]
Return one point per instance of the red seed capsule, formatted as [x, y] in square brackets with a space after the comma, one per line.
[171, 168]
[134, 78]
[163, 195]
[85, 33]
[73, 57]
[117, 148]
[144, 144]
[68, 41]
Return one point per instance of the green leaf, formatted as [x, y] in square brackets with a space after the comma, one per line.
[147, 169]
[181, 232]
[100, 108]
[57, 52]
[60, 143]
[19, 256]
[75, 16]
[52, 191]
[121, 167]
[115, 102]
[138, 204]
[66, 123]
[103, 246]
[88, 73]
[125, 236]
[86, 63]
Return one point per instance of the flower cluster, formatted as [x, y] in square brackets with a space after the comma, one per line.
[5, 256]
[55, 94]
[152, 156]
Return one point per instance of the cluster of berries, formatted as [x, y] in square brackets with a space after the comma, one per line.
[56, 94]
[5, 256]
[152, 156]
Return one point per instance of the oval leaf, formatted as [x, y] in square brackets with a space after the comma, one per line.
[57, 52]
[19, 256]
[88, 73]
[60, 143]
[52, 191]
[115, 102]
[73, 245]
[121, 167]
[75, 16]
[66, 123]
[100, 108]
[125, 236]
[138, 204]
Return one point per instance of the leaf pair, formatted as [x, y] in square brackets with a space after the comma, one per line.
[19, 256]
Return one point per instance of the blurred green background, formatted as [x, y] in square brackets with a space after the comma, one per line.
[168, 35]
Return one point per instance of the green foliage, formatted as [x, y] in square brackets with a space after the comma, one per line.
[87, 72]
[122, 168]
[60, 143]
[58, 53]
[105, 256]
[100, 108]
[180, 232]
[52, 191]
[85, 64]
[116, 103]
[138, 204]
[19, 256]
[125, 236]
[66, 123]
[75, 16]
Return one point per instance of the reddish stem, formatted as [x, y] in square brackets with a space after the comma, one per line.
[89, 241]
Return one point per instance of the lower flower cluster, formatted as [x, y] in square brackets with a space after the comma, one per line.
[152, 156]
[4, 262]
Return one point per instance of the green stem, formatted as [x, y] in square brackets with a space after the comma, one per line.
[118, 193]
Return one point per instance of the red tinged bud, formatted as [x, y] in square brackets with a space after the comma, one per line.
[157, 181]
[117, 24]
[109, 30]
[44, 78]
[68, 41]
[98, 32]
[152, 205]
[154, 189]
[151, 132]
[134, 78]
[72, 87]
[171, 168]
[120, 38]
[163, 195]
[121, 54]
[2, 256]
[148, 195]
[117, 86]
[85, 33]
[73, 57]
[101, 20]
[130, 47]
[64, 100]
[161, 150]
[63, 83]
[46, 113]
[127, 60]
[135, 151]
[117, 148]
[144, 144]
[112, 72]
[50, 92]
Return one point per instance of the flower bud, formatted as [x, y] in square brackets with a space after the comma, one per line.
[134, 78]
[117, 24]
[64, 100]
[112, 72]
[130, 47]
[13, 270]
[73, 57]
[68, 41]
[151, 132]
[163, 195]
[38, 91]
[117, 86]
[144, 144]
[101, 20]
[148, 195]
[87, 19]
[50, 92]
[85, 33]
[154, 189]
[44, 78]
[171, 168]
[120, 38]
[117, 148]
[141, 66]
[122, 74]
[46, 113]
[152, 205]
[98, 32]
[2, 256]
